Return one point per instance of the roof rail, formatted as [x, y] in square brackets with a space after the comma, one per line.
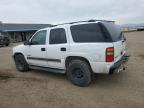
[92, 20]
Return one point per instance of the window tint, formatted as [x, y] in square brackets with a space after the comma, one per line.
[88, 33]
[114, 31]
[39, 38]
[57, 36]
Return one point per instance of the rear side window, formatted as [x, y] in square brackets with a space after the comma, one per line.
[57, 36]
[87, 33]
[114, 31]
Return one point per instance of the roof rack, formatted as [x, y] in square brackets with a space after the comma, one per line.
[92, 20]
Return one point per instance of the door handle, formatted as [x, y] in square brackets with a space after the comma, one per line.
[43, 49]
[63, 49]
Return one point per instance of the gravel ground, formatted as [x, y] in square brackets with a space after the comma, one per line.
[39, 89]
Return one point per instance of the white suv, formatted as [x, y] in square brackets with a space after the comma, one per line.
[78, 49]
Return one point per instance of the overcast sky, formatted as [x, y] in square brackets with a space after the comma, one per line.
[59, 11]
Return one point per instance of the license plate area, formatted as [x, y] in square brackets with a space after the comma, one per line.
[121, 68]
[122, 65]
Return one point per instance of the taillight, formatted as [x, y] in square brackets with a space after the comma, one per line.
[110, 54]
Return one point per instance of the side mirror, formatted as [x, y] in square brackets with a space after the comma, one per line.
[27, 43]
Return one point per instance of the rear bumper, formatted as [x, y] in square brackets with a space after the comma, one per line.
[119, 65]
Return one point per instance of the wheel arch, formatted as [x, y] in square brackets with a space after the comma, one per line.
[70, 58]
[17, 53]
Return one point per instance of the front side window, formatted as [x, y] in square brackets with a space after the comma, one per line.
[88, 33]
[57, 36]
[39, 38]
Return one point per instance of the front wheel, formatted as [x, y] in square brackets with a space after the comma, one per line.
[21, 63]
[79, 72]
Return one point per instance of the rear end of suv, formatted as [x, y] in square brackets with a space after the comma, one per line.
[118, 53]
[102, 43]
[96, 47]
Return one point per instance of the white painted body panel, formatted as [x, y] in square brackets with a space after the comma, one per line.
[35, 51]
[20, 49]
[119, 50]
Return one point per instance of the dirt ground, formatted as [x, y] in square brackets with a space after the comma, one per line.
[39, 89]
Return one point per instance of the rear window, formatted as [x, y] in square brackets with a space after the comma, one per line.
[88, 33]
[114, 31]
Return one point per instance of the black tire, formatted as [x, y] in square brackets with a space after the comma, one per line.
[79, 73]
[7, 44]
[21, 63]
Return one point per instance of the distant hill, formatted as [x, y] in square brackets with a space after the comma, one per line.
[132, 25]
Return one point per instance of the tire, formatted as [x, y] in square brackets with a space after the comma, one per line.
[79, 73]
[21, 63]
[7, 44]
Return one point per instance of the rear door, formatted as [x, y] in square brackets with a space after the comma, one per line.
[58, 47]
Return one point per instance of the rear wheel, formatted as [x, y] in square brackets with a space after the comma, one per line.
[21, 63]
[79, 72]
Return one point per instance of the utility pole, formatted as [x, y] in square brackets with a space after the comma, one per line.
[1, 27]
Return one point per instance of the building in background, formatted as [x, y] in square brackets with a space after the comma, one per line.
[20, 32]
